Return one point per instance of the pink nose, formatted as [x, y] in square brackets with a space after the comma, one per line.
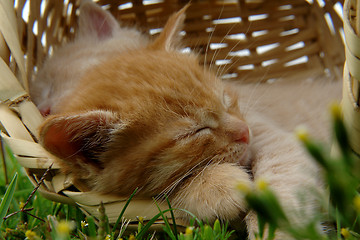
[238, 131]
[241, 134]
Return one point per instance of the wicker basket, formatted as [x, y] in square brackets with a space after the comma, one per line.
[249, 40]
[351, 85]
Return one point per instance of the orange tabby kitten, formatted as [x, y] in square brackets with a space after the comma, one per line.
[127, 112]
[143, 115]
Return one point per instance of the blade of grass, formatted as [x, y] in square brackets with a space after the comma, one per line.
[172, 216]
[147, 226]
[338, 224]
[5, 203]
[151, 221]
[168, 227]
[53, 223]
[57, 208]
[272, 229]
[67, 212]
[200, 223]
[92, 227]
[103, 223]
[79, 217]
[123, 211]
[261, 226]
[2, 156]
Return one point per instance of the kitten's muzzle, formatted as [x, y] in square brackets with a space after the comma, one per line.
[239, 133]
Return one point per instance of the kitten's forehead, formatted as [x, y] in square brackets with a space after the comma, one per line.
[153, 85]
[175, 77]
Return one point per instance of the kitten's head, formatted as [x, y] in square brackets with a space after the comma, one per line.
[147, 118]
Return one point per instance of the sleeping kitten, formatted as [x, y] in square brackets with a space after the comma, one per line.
[127, 112]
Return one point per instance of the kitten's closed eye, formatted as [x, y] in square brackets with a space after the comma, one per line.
[202, 129]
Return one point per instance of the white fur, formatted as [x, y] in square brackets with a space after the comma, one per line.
[273, 111]
[214, 188]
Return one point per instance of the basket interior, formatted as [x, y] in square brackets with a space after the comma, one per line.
[247, 40]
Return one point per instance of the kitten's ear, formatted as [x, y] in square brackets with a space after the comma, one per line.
[170, 34]
[79, 137]
[94, 20]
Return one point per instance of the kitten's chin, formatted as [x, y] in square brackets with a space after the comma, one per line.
[244, 158]
[238, 154]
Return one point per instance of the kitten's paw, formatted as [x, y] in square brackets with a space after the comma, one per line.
[212, 193]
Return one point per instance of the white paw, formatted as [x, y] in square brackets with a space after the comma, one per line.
[212, 193]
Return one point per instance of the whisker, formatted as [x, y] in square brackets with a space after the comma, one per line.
[223, 69]
[211, 35]
[218, 50]
[249, 106]
[180, 200]
[173, 185]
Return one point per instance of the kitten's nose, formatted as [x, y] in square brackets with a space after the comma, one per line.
[241, 133]
[238, 131]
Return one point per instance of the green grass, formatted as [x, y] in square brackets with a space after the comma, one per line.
[50, 220]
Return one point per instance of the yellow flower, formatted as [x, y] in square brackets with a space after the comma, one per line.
[21, 205]
[302, 133]
[335, 110]
[243, 188]
[30, 235]
[189, 230]
[132, 237]
[356, 202]
[345, 232]
[261, 184]
[108, 237]
[64, 227]
[83, 224]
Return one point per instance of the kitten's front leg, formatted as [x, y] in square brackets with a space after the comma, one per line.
[280, 160]
[212, 193]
